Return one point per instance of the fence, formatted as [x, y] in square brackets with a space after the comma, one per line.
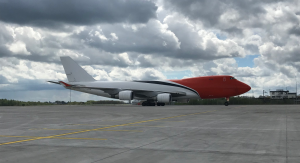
[240, 101]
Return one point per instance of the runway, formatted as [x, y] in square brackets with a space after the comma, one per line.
[169, 134]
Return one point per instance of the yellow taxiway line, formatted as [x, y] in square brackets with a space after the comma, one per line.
[145, 126]
[171, 121]
[34, 137]
[85, 129]
[102, 128]
[87, 125]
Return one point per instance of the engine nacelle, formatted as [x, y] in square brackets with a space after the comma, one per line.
[126, 95]
[164, 97]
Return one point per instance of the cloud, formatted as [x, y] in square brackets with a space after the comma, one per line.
[45, 13]
[198, 43]
[14, 70]
[212, 13]
[3, 80]
[198, 10]
[295, 30]
[50, 95]
[144, 40]
[285, 54]
[152, 37]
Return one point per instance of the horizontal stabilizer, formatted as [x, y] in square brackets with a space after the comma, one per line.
[64, 84]
[55, 82]
[61, 83]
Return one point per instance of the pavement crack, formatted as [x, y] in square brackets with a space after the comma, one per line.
[139, 147]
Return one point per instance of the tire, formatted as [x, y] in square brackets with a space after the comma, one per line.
[226, 103]
[148, 103]
[158, 104]
[144, 104]
[162, 104]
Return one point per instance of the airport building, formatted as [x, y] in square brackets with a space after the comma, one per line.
[282, 94]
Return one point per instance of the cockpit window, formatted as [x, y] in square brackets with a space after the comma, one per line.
[232, 78]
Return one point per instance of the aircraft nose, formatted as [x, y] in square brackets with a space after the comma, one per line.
[243, 88]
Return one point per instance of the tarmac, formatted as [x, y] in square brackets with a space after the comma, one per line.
[135, 134]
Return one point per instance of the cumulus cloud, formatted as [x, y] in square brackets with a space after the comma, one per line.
[51, 13]
[213, 13]
[145, 40]
[199, 43]
[151, 37]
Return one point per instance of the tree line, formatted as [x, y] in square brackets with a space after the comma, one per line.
[240, 101]
[7, 102]
[219, 101]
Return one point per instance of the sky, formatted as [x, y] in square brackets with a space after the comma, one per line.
[258, 42]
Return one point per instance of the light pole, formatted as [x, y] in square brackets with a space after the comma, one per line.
[70, 96]
[296, 90]
[264, 94]
[296, 87]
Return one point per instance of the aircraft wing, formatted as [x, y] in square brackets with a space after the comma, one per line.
[137, 92]
[114, 91]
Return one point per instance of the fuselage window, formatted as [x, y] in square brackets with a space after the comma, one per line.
[211, 79]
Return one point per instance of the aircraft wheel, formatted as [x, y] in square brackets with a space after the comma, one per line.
[148, 103]
[144, 103]
[226, 103]
[160, 104]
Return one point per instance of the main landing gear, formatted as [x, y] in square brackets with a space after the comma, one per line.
[152, 103]
[226, 103]
[160, 104]
[148, 103]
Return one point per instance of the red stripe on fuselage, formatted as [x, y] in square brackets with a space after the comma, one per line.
[215, 86]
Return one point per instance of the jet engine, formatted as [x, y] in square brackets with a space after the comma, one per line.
[164, 98]
[126, 95]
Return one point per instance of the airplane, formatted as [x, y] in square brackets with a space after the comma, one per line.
[158, 92]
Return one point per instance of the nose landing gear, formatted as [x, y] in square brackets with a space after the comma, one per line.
[226, 103]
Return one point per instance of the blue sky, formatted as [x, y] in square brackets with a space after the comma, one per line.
[178, 74]
[247, 61]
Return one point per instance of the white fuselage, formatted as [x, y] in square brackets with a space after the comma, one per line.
[149, 90]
